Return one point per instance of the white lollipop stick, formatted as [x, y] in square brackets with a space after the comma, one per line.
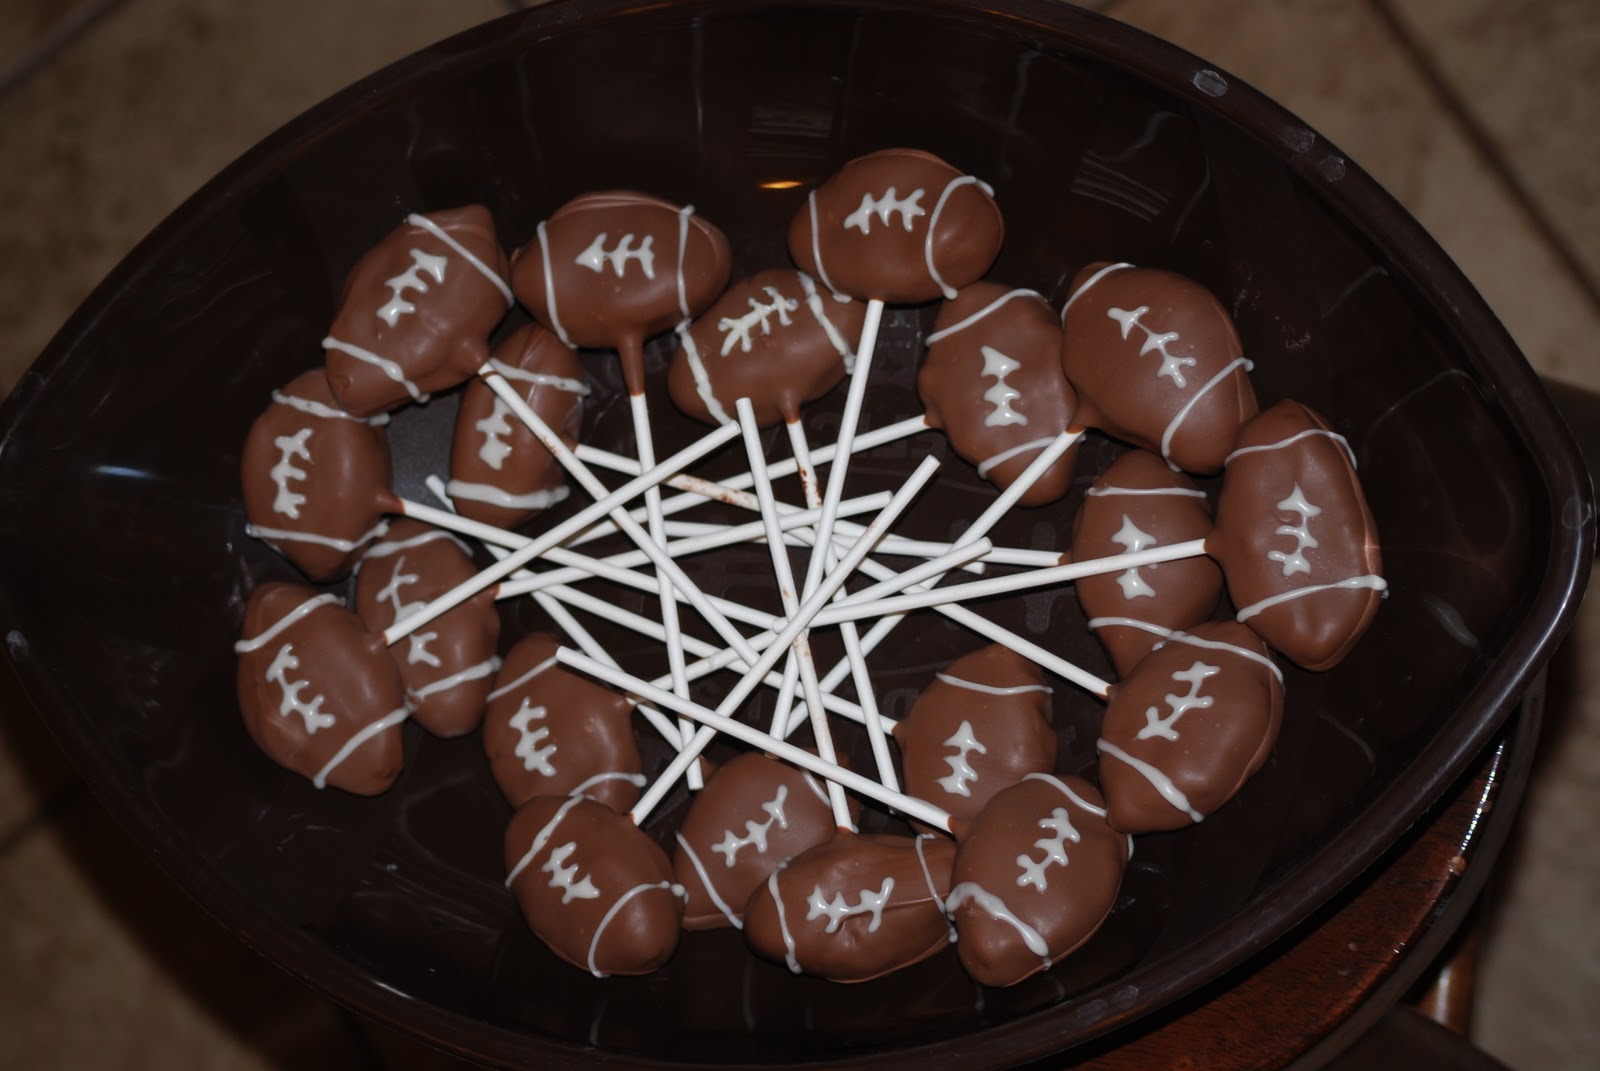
[715, 721]
[798, 624]
[892, 546]
[791, 602]
[554, 536]
[866, 695]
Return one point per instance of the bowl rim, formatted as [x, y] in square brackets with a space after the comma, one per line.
[1434, 279]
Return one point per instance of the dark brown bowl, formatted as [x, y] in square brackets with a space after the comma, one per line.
[126, 563]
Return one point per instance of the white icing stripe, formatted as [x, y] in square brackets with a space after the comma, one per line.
[1097, 623]
[520, 681]
[393, 718]
[933, 892]
[455, 680]
[1188, 492]
[683, 242]
[541, 379]
[702, 378]
[273, 631]
[582, 787]
[600, 930]
[1099, 812]
[1158, 780]
[933, 222]
[382, 364]
[816, 788]
[996, 907]
[705, 879]
[1006, 455]
[1354, 583]
[287, 536]
[1291, 440]
[485, 492]
[464, 253]
[841, 345]
[946, 332]
[1218, 645]
[1087, 283]
[541, 838]
[318, 409]
[394, 546]
[816, 244]
[990, 689]
[783, 920]
[1183, 414]
[550, 287]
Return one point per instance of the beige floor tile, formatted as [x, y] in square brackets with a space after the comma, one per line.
[1527, 70]
[1338, 68]
[105, 963]
[134, 115]
[30, 29]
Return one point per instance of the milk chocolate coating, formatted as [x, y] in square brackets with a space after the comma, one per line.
[315, 479]
[553, 732]
[1034, 876]
[414, 301]
[1291, 521]
[593, 886]
[992, 380]
[899, 225]
[855, 907]
[1145, 350]
[447, 665]
[1137, 503]
[753, 814]
[500, 473]
[318, 686]
[962, 743]
[610, 269]
[775, 338]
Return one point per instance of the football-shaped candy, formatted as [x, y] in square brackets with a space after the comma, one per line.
[592, 885]
[417, 311]
[1156, 361]
[992, 380]
[608, 270]
[1035, 875]
[551, 732]
[315, 478]
[774, 338]
[1295, 538]
[447, 665]
[500, 473]
[1137, 503]
[318, 691]
[900, 225]
[979, 727]
[855, 907]
[753, 814]
[1196, 718]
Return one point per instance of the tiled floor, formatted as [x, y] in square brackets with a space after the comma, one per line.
[1477, 114]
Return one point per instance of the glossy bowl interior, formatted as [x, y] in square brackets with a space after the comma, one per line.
[126, 563]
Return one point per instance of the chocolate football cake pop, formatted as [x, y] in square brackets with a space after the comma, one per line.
[1034, 876]
[315, 478]
[608, 270]
[980, 726]
[417, 311]
[855, 907]
[992, 381]
[774, 338]
[1156, 362]
[318, 691]
[753, 814]
[552, 732]
[447, 667]
[1136, 503]
[593, 886]
[1182, 734]
[1295, 537]
[900, 226]
[500, 473]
